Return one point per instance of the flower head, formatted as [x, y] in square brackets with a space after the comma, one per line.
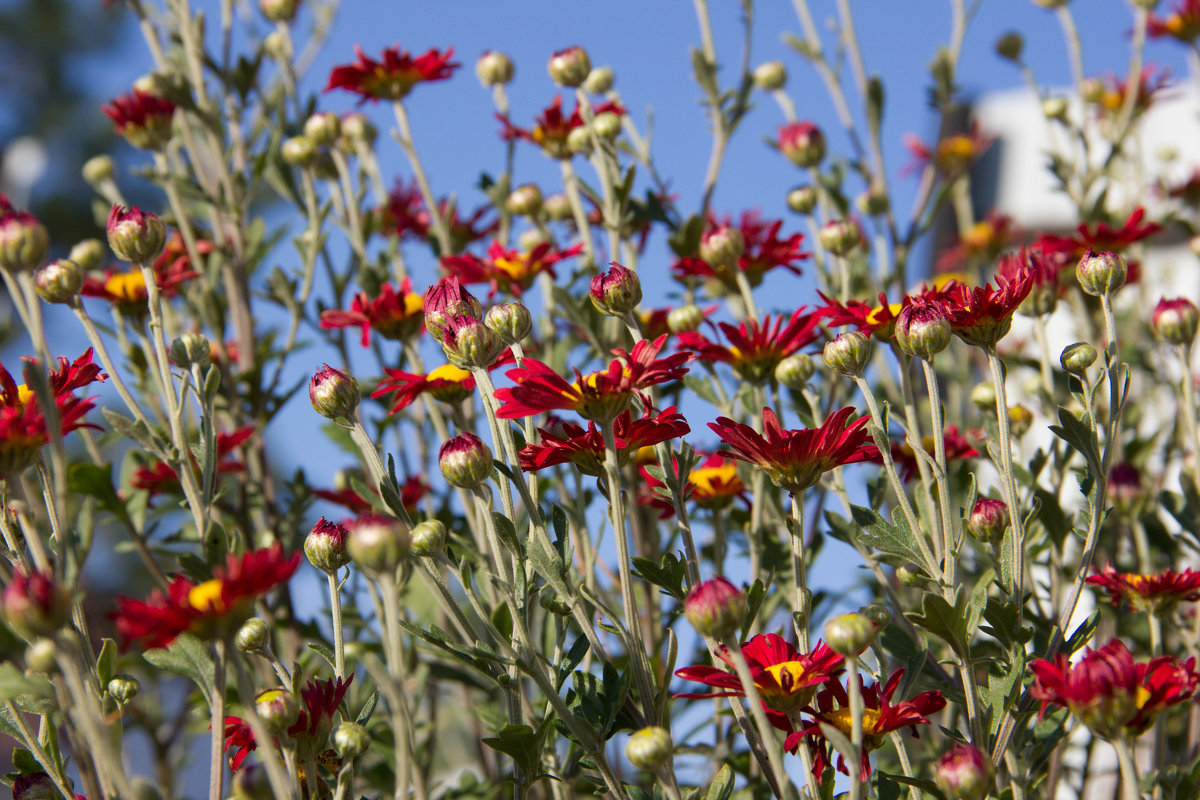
[958, 447]
[447, 383]
[160, 477]
[982, 241]
[756, 347]
[319, 702]
[585, 448]
[1100, 237]
[552, 127]
[796, 459]
[712, 484]
[126, 289]
[135, 236]
[405, 216]
[951, 155]
[393, 314]
[981, 315]
[143, 119]
[508, 270]
[394, 76]
[35, 604]
[1151, 80]
[1157, 594]
[879, 321]
[210, 609]
[1183, 23]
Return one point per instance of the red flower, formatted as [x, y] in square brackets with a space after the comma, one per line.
[764, 251]
[1157, 594]
[786, 679]
[1100, 237]
[756, 348]
[447, 383]
[957, 447]
[406, 216]
[512, 271]
[213, 608]
[600, 395]
[161, 477]
[1187, 190]
[23, 428]
[879, 321]
[712, 484]
[982, 241]
[796, 459]
[411, 492]
[585, 449]
[880, 717]
[394, 77]
[142, 118]
[951, 155]
[395, 315]
[1110, 693]
[551, 128]
[1151, 81]
[1183, 23]
[981, 315]
[309, 732]
[126, 289]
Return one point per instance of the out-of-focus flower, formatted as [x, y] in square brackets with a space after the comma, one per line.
[135, 236]
[396, 315]
[880, 717]
[951, 155]
[35, 604]
[763, 250]
[142, 118]
[510, 271]
[715, 608]
[393, 77]
[126, 289]
[551, 128]
[24, 240]
[712, 484]
[211, 609]
[1183, 23]
[1110, 693]
[405, 216]
[802, 143]
[756, 347]
[1155, 594]
[964, 773]
[600, 395]
[796, 459]
[447, 383]
[1101, 237]
[957, 447]
[982, 316]
[412, 490]
[585, 448]
[1151, 81]
[161, 478]
[320, 700]
[983, 241]
[1175, 321]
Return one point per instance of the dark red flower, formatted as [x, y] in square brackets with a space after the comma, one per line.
[447, 383]
[981, 315]
[511, 271]
[126, 289]
[585, 448]
[951, 155]
[1183, 23]
[394, 315]
[1099, 237]
[983, 241]
[411, 492]
[764, 251]
[405, 216]
[551, 128]
[600, 395]
[160, 477]
[209, 609]
[796, 459]
[142, 118]
[1157, 594]
[957, 447]
[393, 77]
[756, 347]
[1151, 81]
[320, 700]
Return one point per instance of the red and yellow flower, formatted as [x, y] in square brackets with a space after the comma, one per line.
[983, 241]
[951, 155]
[508, 270]
[1183, 23]
[447, 383]
[126, 289]
[309, 734]
[143, 119]
[1111, 693]
[160, 477]
[756, 347]
[552, 127]
[957, 447]
[600, 396]
[796, 459]
[1151, 80]
[764, 251]
[585, 448]
[210, 609]
[1156, 594]
[405, 216]
[712, 484]
[396, 315]
[393, 77]
[981, 315]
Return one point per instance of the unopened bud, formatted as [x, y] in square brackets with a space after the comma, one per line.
[599, 80]
[278, 709]
[42, 656]
[616, 292]
[135, 236]
[1076, 358]
[35, 786]
[98, 169]
[325, 546]
[650, 748]
[607, 125]
[1175, 321]
[279, 10]
[445, 299]
[685, 318]
[803, 199]
[722, 246]
[715, 608]
[1055, 108]
[377, 543]
[840, 236]
[494, 69]
[849, 353]
[253, 636]
[1020, 420]
[988, 520]
[530, 239]
[1101, 273]
[333, 393]
[964, 773]
[278, 46]
[427, 538]
[1092, 90]
[189, 349]
[470, 344]
[122, 688]
[879, 614]
[873, 202]
[579, 141]
[465, 461]
[357, 129]
[87, 254]
[323, 127]
[300, 151]
[525, 201]
[795, 371]
[23, 241]
[770, 76]
[802, 143]
[1010, 45]
[59, 281]
[569, 67]
[350, 740]
[983, 395]
[558, 207]
[512, 322]
[908, 575]
[850, 634]
[922, 330]
[35, 605]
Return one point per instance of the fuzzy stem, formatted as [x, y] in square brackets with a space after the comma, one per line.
[1129, 772]
[856, 726]
[335, 610]
[765, 732]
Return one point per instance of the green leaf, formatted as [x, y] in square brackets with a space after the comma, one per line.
[895, 539]
[722, 786]
[368, 708]
[508, 534]
[323, 651]
[754, 600]
[24, 762]
[1079, 436]
[705, 73]
[685, 242]
[924, 785]
[30, 693]
[106, 662]
[137, 431]
[524, 746]
[943, 620]
[668, 574]
[1083, 634]
[874, 102]
[187, 656]
[95, 481]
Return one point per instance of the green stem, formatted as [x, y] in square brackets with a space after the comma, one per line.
[765, 732]
[435, 214]
[216, 762]
[1008, 481]
[800, 597]
[943, 485]
[856, 726]
[339, 643]
[1129, 773]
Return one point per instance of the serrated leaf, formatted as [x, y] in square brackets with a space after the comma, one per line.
[130, 429]
[186, 656]
[893, 538]
[943, 620]
[1083, 634]
[30, 693]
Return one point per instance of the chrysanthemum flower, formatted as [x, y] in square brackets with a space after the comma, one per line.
[405, 216]
[1156, 594]
[23, 425]
[309, 733]
[878, 321]
[1150, 82]
[510, 271]
[1183, 23]
[160, 477]
[950, 155]
[598, 396]
[126, 289]
[1100, 237]
[585, 448]
[981, 315]
[210, 609]
[982, 241]
[764, 251]
[958, 447]
[1110, 693]
[880, 717]
[551, 128]
[142, 118]
[786, 679]
[393, 314]
[796, 459]
[412, 490]
[393, 77]
[447, 383]
[756, 347]
[712, 484]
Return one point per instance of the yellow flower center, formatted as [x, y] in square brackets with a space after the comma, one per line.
[448, 372]
[413, 304]
[269, 696]
[206, 597]
[979, 235]
[942, 281]
[706, 479]
[954, 153]
[844, 722]
[24, 395]
[518, 268]
[127, 287]
[877, 315]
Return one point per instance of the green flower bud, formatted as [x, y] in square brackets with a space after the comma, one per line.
[59, 281]
[300, 151]
[879, 614]
[42, 656]
[722, 246]
[1076, 358]
[325, 546]
[685, 318]
[1010, 45]
[350, 740]
[278, 709]
[87, 254]
[135, 236]
[1101, 273]
[795, 371]
[98, 169]
[279, 10]
[569, 67]
[599, 80]
[770, 76]
[525, 201]
[323, 127]
[849, 353]
[558, 207]
[465, 461]
[579, 141]
[189, 349]
[850, 634]
[357, 129]
[377, 544]
[253, 636]
[427, 538]
[983, 396]
[616, 292]
[922, 330]
[650, 748]
[512, 322]
[840, 236]
[333, 393]
[803, 199]
[494, 69]
[122, 688]
[607, 125]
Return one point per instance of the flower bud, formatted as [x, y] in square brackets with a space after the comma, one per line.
[376, 543]
[448, 298]
[685, 318]
[325, 546]
[525, 201]
[650, 748]
[840, 236]
[357, 129]
[333, 393]
[98, 169]
[189, 349]
[849, 353]
[529, 239]
[803, 199]
[1125, 487]
[59, 281]
[512, 322]
[87, 254]
[599, 80]
[470, 344]
[964, 773]
[908, 575]
[279, 10]
[42, 656]
[35, 605]
[1101, 273]
[277, 46]
[873, 202]
[722, 246]
[879, 614]
[350, 740]
[802, 143]
[1092, 90]
[922, 329]
[123, 688]
[35, 786]
[558, 207]
[795, 370]
[427, 538]
[1051, 3]
[135, 236]
[23, 240]
[569, 67]
[988, 520]
[616, 292]
[770, 76]
[1175, 321]
[465, 461]
[1010, 45]
[1020, 420]
[716, 608]
[1055, 108]
[494, 69]
[299, 151]
[1076, 358]
[850, 634]
[579, 141]
[323, 127]
[983, 395]
[278, 709]
[251, 782]
[253, 636]
[607, 125]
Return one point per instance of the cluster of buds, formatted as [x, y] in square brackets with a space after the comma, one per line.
[453, 317]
